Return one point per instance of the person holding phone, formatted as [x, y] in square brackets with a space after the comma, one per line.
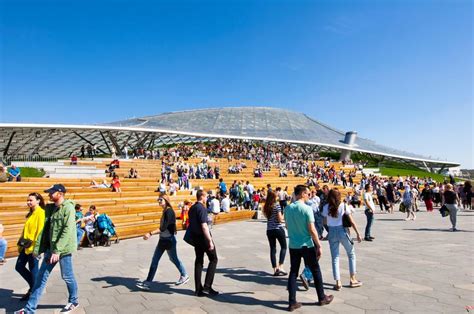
[303, 243]
[333, 213]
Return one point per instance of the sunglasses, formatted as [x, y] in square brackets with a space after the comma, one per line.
[161, 199]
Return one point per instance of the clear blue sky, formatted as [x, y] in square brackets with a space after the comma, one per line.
[398, 72]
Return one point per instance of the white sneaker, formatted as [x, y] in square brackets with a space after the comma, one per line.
[143, 285]
[182, 280]
[69, 307]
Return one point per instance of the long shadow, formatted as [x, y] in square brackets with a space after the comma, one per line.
[388, 219]
[11, 302]
[260, 277]
[242, 297]
[438, 230]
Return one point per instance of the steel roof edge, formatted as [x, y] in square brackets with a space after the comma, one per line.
[197, 134]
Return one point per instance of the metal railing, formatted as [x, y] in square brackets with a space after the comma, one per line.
[7, 160]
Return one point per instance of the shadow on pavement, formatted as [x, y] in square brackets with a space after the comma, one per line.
[243, 297]
[11, 302]
[437, 230]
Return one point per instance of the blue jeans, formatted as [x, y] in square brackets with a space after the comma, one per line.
[370, 220]
[3, 247]
[308, 274]
[338, 235]
[318, 223]
[65, 263]
[80, 234]
[172, 254]
[28, 274]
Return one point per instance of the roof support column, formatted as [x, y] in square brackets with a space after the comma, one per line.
[105, 141]
[87, 141]
[349, 140]
[114, 142]
[5, 151]
[43, 140]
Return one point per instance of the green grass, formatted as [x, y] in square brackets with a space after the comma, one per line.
[394, 172]
[27, 172]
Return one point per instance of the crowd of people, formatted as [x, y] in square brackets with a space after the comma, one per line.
[308, 214]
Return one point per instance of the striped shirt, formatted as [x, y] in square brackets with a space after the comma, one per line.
[272, 222]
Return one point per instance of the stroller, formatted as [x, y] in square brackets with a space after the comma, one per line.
[104, 231]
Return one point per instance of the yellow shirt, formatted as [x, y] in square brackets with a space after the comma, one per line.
[33, 227]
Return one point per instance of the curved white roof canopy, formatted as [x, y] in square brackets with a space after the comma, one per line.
[250, 123]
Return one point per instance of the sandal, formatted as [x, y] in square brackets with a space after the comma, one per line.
[355, 284]
[338, 287]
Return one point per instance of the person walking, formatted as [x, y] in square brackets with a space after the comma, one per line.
[33, 226]
[333, 213]
[274, 214]
[304, 243]
[450, 200]
[369, 212]
[167, 242]
[203, 243]
[408, 202]
[57, 241]
[427, 196]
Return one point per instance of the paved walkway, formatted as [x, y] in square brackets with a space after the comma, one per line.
[411, 267]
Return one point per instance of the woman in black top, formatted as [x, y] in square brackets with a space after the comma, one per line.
[167, 242]
[450, 200]
[275, 231]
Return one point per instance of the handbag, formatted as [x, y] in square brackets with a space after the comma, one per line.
[444, 211]
[24, 243]
[346, 221]
[165, 244]
[188, 237]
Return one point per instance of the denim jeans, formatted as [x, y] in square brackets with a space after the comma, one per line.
[338, 235]
[80, 234]
[172, 254]
[311, 261]
[3, 247]
[273, 235]
[370, 220]
[65, 263]
[318, 223]
[308, 274]
[28, 274]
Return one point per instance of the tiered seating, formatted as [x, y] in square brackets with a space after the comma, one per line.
[134, 211]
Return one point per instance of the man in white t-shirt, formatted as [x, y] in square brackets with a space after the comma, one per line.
[369, 211]
[214, 205]
[225, 203]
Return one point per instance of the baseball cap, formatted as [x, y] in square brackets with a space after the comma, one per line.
[56, 188]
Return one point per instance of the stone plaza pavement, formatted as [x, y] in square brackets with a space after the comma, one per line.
[411, 267]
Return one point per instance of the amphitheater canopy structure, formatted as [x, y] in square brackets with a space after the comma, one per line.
[260, 124]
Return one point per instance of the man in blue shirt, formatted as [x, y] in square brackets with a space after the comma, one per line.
[222, 187]
[304, 243]
[14, 174]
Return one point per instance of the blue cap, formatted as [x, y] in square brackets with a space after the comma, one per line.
[56, 188]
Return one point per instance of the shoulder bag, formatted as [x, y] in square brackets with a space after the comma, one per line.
[346, 221]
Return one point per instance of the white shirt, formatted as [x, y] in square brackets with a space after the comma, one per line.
[343, 209]
[215, 206]
[369, 200]
[225, 205]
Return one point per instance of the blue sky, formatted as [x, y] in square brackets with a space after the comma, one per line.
[398, 72]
